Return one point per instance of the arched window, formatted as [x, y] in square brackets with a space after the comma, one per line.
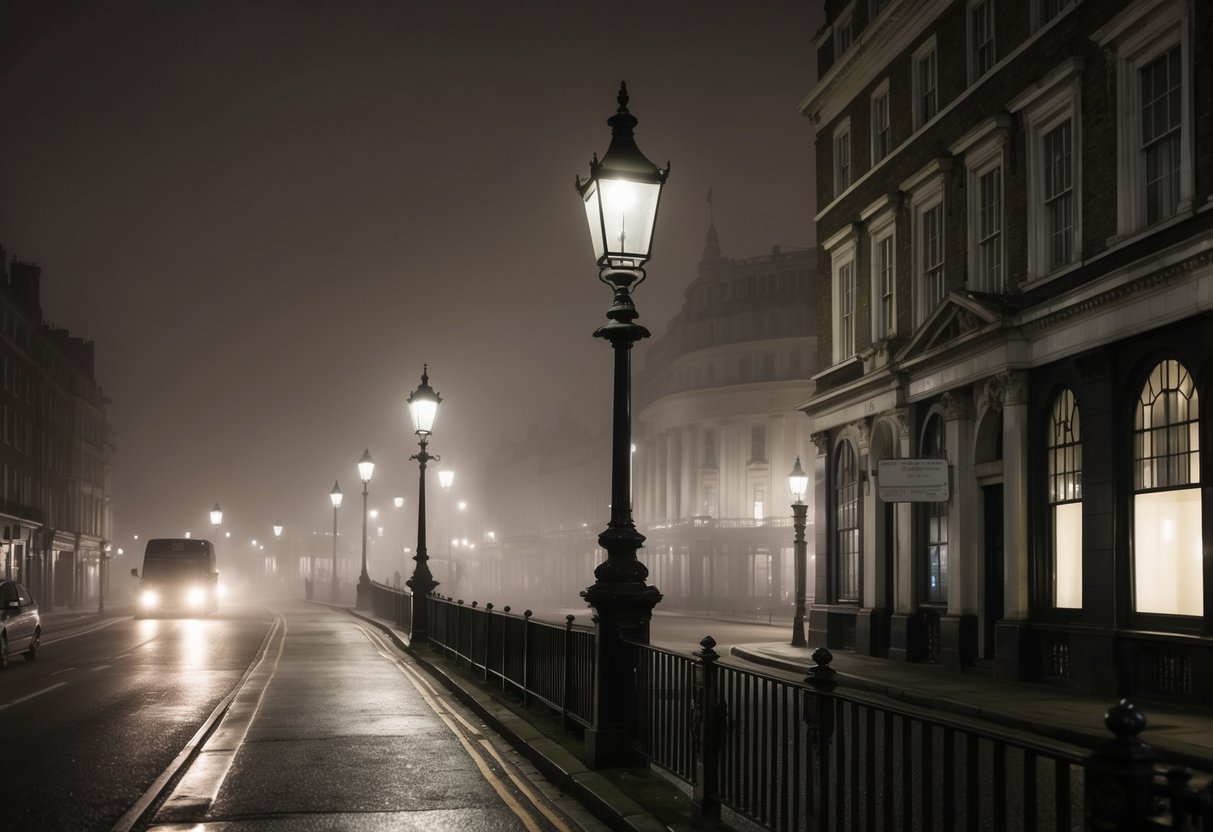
[934, 445]
[1168, 545]
[846, 524]
[1065, 500]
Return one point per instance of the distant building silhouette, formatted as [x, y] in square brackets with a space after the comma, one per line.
[1017, 278]
[717, 432]
[56, 449]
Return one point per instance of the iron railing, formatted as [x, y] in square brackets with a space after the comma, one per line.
[392, 604]
[540, 662]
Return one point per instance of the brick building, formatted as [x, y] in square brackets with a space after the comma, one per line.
[1016, 225]
[56, 449]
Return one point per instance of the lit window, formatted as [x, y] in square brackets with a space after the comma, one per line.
[846, 524]
[1065, 500]
[934, 446]
[1168, 541]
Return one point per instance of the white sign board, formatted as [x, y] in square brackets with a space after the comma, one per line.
[912, 480]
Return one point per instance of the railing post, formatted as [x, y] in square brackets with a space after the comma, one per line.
[526, 658]
[707, 712]
[1120, 774]
[458, 622]
[505, 651]
[488, 637]
[819, 715]
[567, 685]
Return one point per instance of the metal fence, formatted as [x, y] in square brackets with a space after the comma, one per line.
[540, 662]
[392, 604]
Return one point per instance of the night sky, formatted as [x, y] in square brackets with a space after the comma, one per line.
[268, 215]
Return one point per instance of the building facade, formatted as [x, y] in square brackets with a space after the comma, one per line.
[1017, 229]
[56, 450]
[717, 432]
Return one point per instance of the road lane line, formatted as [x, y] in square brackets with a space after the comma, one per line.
[434, 700]
[30, 696]
[64, 670]
[100, 667]
[57, 639]
[148, 798]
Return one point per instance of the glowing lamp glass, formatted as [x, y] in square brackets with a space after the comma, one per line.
[366, 467]
[798, 481]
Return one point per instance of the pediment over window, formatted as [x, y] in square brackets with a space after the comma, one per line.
[959, 316]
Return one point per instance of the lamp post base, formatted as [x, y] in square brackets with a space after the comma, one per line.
[363, 598]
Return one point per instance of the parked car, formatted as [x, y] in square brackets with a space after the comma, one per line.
[20, 624]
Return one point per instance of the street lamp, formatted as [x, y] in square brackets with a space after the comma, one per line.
[335, 495]
[620, 198]
[423, 408]
[798, 484]
[366, 467]
[277, 545]
[216, 519]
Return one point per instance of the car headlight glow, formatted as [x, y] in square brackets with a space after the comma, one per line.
[195, 597]
[149, 599]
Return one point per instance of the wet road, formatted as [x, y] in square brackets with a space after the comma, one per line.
[107, 706]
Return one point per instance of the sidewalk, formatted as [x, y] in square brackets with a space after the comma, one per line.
[1182, 735]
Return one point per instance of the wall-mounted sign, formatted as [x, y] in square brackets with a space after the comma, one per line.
[912, 480]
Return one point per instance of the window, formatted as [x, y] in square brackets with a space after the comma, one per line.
[884, 277]
[930, 246]
[844, 31]
[846, 524]
[981, 38]
[1046, 10]
[841, 247]
[934, 445]
[1154, 118]
[1050, 115]
[845, 282]
[1058, 192]
[1161, 88]
[709, 449]
[842, 157]
[881, 137]
[759, 501]
[989, 231]
[1168, 540]
[758, 444]
[1065, 500]
[983, 149]
[876, 7]
[925, 84]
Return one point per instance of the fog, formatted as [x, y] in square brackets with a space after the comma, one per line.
[270, 215]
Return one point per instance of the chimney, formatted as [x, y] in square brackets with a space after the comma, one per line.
[25, 279]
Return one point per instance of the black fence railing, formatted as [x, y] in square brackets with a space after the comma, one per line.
[540, 662]
[392, 604]
[792, 755]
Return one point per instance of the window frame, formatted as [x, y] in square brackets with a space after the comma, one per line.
[972, 48]
[935, 511]
[882, 230]
[925, 50]
[926, 194]
[1063, 468]
[1139, 35]
[844, 22]
[985, 150]
[880, 93]
[843, 173]
[846, 565]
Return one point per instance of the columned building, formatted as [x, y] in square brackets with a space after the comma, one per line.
[1017, 232]
[717, 432]
[56, 450]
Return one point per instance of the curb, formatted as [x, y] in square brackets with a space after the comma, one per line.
[565, 771]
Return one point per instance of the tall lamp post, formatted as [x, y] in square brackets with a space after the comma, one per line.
[216, 519]
[620, 199]
[423, 408]
[366, 467]
[798, 484]
[335, 495]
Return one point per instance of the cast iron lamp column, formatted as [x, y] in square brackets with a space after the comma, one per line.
[335, 495]
[798, 484]
[423, 407]
[366, 467]
[620, 199]
[277, 547]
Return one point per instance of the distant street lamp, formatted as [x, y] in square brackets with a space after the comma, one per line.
[423, 407]
[798, 484]
[398, 502]
[620, 198]
[277, 545]
[216, 519]
[366, 467]
[335, 495]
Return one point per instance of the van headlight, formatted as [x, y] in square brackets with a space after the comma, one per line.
[196, 597]
[149, 599]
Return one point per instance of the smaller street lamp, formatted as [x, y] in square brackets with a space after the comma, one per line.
[366, 467]
[446, 477]
[798, 484]
[277, 545]
[216, 518]
[398, 502]
[423, 408]
[335, 495]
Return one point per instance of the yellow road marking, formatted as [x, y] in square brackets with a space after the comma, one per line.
[433, 699]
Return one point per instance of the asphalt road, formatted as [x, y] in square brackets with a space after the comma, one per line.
[106, 708]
